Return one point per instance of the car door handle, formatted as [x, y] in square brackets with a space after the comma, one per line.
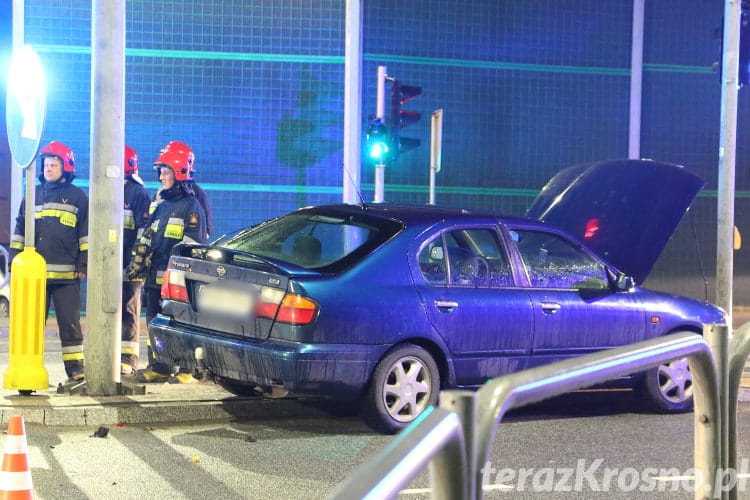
[447, 305]
[549, 307]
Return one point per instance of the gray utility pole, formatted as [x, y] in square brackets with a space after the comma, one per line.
[636, 81]
[727, 149]
[104, 294]
[719, 339]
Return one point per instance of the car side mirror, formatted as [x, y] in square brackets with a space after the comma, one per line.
[624, 282]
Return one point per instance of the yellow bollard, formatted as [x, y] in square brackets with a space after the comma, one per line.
[28, 290]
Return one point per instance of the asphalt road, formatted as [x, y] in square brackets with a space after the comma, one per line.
[306, 458]
[606, 440]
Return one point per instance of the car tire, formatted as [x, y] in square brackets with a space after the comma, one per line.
[4, 308]
[668, 387]
[405, 383]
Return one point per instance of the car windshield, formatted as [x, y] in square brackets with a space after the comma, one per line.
[314, 240]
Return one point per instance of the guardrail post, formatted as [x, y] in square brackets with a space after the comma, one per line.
[504, 393]
[717, 337]
[739, 350]
[466, 421]
[464, 404]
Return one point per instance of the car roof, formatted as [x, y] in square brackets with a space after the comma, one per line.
[416, 214]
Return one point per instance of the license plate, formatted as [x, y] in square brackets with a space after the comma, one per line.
[222, 300]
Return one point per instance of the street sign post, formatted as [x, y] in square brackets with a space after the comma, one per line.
[25, 113]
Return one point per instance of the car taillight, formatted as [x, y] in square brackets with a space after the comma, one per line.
[173, 286]
[285, 307]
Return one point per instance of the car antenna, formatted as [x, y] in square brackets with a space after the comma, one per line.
[698, 254]
[359, 192]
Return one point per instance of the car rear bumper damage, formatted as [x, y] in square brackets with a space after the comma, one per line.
[336, 370]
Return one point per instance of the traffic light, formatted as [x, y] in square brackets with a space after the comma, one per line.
[378, 142]
[743, 70]
[400, 118]
[744, 55]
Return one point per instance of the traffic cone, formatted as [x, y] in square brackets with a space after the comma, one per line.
[15, 476]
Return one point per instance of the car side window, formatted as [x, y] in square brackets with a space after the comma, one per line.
[554, 262]
[432, 262]
[466, 257]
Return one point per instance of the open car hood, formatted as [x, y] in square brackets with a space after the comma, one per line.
[625, 210]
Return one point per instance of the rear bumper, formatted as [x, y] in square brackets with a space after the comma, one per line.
[335, 370]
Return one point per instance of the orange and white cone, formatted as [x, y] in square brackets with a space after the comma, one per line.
[15, 476]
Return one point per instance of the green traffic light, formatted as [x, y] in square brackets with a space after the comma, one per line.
[379, 151]
[378, 142]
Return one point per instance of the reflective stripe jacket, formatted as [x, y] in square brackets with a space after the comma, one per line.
[174, 220]
[61, 235]
[135, 216]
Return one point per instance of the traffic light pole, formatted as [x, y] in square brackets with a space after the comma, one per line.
[379, 181]
[436, 148]
[380, 114]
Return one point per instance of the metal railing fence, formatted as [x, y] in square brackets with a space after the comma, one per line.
[432, 439]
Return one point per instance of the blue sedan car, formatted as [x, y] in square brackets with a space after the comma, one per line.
[386, 305]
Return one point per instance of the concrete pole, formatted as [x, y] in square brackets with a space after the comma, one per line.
[353, 102]
[104, 296]
[727, 150]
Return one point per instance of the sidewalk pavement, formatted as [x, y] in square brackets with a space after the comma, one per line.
[151, 403]
[161, 402]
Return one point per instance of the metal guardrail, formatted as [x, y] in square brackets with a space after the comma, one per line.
[435, 438]
[480, 413]
[739, 350]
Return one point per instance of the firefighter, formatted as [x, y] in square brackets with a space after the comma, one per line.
[135, 213]
[200, 194]
[177, 217]
[61, 238]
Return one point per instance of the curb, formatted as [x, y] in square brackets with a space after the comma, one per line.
[167, 404]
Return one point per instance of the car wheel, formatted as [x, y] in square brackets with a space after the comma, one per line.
[669, 387]
[4, 308]
[404, 384]
[238, 388]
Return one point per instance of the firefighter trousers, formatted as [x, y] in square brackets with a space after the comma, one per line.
[66, 298]
[131, 318]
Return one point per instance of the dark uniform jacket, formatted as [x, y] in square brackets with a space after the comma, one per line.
[135, 216]
[177, 217]
[60, 231]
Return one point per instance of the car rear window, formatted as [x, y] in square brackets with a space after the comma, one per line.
[314, 240]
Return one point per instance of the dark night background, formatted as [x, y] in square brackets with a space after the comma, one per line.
[528, 87]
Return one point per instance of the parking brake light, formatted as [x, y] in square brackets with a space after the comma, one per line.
[297, 310]
[173, 286]
[286, 308]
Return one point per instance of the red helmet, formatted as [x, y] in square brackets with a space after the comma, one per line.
[180, 161]
[131, 161]
[61, 151]
[182, 147]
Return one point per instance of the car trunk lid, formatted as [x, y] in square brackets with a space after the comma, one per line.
[226, 291]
